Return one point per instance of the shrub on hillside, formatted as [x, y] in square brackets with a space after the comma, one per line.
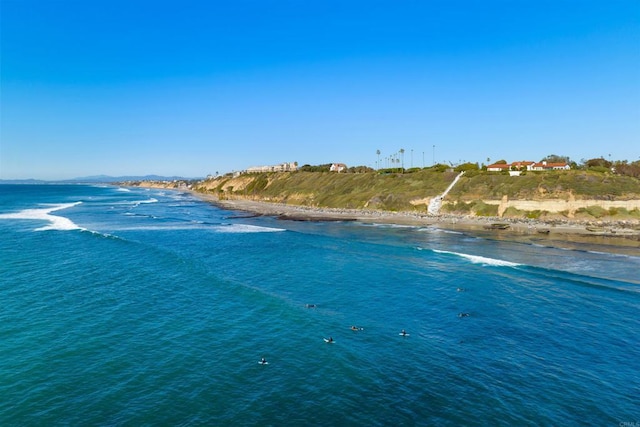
[258, 184]
[472, 172]
[512, 212]
[594, 211]
[457, 207]
[482, 209]
[467, 167]
[599, 169]
[622, 213]
[318, 168]
[536, 214]
[440, 168]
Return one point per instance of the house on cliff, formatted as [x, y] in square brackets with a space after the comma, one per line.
[528, 166]
[498, 167]
[544, 166]
[282, 167]
[338, 167]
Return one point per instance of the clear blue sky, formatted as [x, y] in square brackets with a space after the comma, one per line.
[194, 87]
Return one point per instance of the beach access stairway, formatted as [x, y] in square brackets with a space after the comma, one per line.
[436, 203]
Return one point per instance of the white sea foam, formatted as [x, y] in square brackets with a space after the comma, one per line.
[451, 232]
[613, 255]
[55, 222]
[385, 225]
[125, 190]
[428, 230]
[476, 259]
[244, 228]
[401, 226]
[135, 203]
[141, 202]
[199, 225]
[163, 227]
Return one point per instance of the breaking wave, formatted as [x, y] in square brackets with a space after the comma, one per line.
[476, 259]
[55, 222]
[244, 228]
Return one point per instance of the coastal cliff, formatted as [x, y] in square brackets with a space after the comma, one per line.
[574, 195]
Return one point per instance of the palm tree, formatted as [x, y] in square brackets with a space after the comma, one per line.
[402, 155]
[378, 153]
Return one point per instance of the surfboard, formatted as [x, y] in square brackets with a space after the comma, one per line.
[260, 362]
[327, 340]
[403, 335]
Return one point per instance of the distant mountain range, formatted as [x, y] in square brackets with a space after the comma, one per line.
[103, 179]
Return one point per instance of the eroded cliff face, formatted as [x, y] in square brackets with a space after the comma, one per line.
[567, 206]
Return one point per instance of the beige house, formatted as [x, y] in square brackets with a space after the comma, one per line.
[282, 167]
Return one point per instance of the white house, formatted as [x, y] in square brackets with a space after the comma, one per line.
[338, 167]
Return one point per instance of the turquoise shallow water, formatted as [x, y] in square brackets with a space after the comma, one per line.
[149, 307]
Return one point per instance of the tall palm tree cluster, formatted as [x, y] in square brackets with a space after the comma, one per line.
[391, 160]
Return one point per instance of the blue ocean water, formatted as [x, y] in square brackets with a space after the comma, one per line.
[150, 307]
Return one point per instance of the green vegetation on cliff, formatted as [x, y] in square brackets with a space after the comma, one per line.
[412, 191]
[330, 189]
[551, 184]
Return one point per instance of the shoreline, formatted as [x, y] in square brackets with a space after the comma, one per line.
[609, 237]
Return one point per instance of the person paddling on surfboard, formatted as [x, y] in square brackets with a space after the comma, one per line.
[330, 339]
[403, 333]
[263, 361]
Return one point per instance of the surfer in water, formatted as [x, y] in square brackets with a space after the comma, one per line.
[403, 333]
[330, 339]
[355, 328]
[263, 361]
[463, 315]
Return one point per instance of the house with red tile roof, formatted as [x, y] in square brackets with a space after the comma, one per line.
[545, 166]
[527, 165]
[522, 165]
[498, 167]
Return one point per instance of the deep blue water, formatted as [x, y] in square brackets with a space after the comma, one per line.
[151, 307]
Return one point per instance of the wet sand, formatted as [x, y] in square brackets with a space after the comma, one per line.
[620, 238]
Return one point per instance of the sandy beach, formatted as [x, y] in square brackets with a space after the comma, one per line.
[618, 237]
